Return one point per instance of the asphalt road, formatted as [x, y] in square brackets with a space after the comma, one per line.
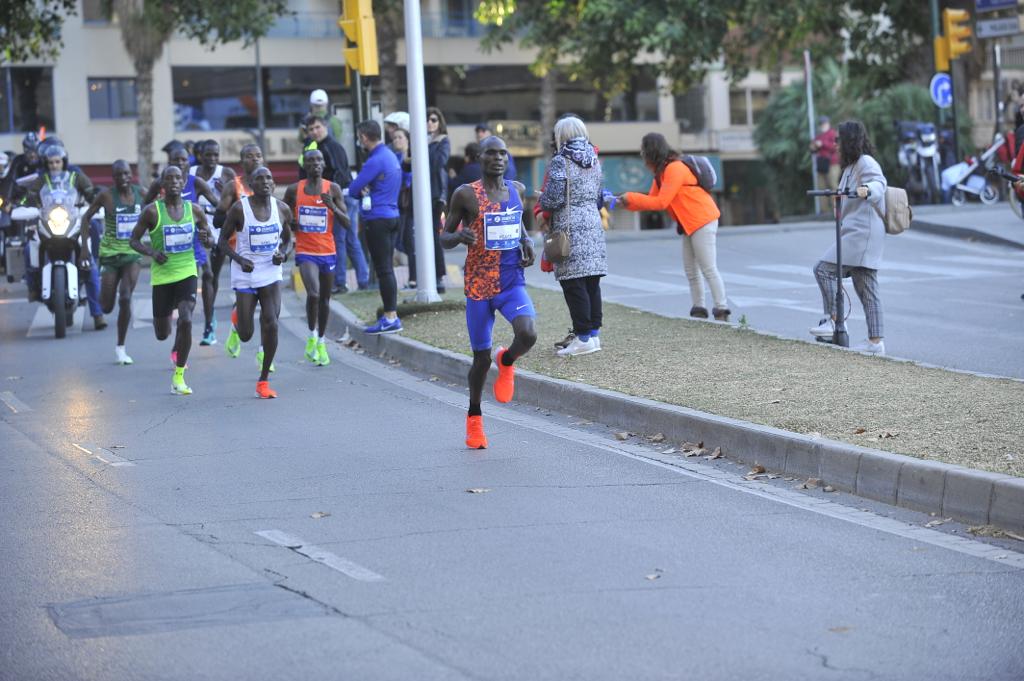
[151, 536]
[946, 301]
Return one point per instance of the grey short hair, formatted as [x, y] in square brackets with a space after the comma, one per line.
[569, 128]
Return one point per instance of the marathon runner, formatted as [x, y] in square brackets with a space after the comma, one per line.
[251, 159]
[316, 204]
[172, 224]
[195, 189]
[263, 227]
[119, 263]
[216, 177]
[490, 211]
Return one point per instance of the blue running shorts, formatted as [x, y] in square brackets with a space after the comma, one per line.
[325, 264]
[512, 303]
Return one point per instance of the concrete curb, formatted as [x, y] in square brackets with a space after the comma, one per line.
[968, 495]
[965, 233]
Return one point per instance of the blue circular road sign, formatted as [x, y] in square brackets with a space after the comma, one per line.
[941, 90]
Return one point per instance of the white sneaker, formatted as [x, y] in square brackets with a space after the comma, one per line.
[578, 347]
[122, 355]
[597, 340]
[826, 327]
[869, 348]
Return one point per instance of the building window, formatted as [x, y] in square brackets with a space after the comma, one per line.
[738, 107]
[26, 99]
[112, 98]
[758, 103]
[96, 11]
[690, 110]
[214, 98]
[746, 106]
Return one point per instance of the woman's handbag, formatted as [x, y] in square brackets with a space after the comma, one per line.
[557, 245]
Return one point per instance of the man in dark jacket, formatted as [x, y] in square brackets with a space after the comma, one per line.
[335, 159]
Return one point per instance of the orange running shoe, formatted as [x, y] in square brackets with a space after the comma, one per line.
[505, 384]
[263, 390]
[234, 317]
[475, 438]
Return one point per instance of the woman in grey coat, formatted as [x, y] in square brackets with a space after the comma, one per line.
[863, 237]
[573, 197]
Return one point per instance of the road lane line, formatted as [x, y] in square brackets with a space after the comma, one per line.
[723, 478]
[103, 455]
[322, 556]
[13, 403]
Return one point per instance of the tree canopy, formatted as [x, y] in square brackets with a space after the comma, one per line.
[30, 29]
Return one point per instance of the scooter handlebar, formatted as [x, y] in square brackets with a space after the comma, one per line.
[852, 194]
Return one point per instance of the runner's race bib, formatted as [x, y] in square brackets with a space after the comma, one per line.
[502, 230]
[264, 238]
[313, 219]
[125, 224]
[178, 238]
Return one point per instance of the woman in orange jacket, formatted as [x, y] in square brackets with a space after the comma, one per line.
[675, 189]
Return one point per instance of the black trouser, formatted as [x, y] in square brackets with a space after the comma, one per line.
[439, 268]
[380, 239]
[583, 296]
[407, 233]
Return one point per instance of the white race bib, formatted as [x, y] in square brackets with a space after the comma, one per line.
[178, 238]
[125, 224]
[502, 230]
[313, 219]
[264, 238]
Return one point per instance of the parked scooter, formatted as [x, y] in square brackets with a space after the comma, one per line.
[919, 157]
[53, 243]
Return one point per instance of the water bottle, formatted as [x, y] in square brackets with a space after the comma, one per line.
[367, 203]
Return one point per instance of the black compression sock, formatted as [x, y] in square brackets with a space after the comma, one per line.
[507, 359]
[474, 410]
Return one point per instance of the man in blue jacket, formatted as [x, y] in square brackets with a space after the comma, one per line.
[378, 183]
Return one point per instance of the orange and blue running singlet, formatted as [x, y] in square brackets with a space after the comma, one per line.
[493, 264]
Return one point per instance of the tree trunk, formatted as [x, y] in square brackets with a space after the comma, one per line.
[390, 27]
[548, 107]
[144, 38]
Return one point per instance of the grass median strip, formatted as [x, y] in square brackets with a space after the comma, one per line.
[801, 387]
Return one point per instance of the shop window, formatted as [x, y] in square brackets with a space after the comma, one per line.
[690, 111]
[26, 99]
[112, 98]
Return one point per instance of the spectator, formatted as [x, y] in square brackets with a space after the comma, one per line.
[470, 171]
[394, 121]
[438, 150]
[863, 237]
[572, 195]
[676, 190]
[483, 131]
[406, 236]
[318, 106]
[379, 183]
[826, 161]
[336, 167]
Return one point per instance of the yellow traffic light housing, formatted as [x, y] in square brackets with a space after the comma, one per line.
[957, 31]
[361, 37]
[941, 54]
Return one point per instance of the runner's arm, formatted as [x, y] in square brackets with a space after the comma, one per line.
[102, 200]
[525, 242]
[200, 219]
[152, 192]
[203, 189]
[457, 214]
[290, 196]
[231, 223]
[337, 205]
[147, 221]
[227, 200]
[287, 220]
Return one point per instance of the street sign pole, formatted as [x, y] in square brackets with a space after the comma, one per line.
[996, 75]
[935, 35]
[810, 123]
[952, 108]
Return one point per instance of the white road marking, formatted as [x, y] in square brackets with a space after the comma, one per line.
[1017, 264]
[710, 474]
[735, 279]
[796, 305]
[13, 403]
[319, 555]
[42, 322]
[649, 285]
[103, 455]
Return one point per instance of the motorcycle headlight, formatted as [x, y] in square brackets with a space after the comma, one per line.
[58, 220]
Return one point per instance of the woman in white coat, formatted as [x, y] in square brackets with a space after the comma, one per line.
[863, 236]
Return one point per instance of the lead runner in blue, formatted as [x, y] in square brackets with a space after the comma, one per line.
[490, 212]
[264, 227]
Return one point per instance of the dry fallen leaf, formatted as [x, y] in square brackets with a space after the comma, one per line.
[839, 630]
[757, 469]
[772, 476]
[937, 522]
[717, 454]
[886, 435]
[434, 379]
[688, 446]
[670, 450]
[829, 488]
[657, 438]
[775, 402]
[859, 431]
[622, 435]
[655, 575]
[478, 490]
[117, 447]
[812, 483]
[319, 514]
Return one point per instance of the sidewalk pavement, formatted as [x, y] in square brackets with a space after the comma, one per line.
[996, 224]
[795, 408]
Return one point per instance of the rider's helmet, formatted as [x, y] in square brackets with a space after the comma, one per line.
[29, 142]
[49, 148]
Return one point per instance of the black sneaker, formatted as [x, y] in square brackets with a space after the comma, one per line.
[721, 313]
[699, 312]
[564, 343]
[339, 288]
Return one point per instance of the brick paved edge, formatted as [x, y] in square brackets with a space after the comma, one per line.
[967, 495]
[965, 233]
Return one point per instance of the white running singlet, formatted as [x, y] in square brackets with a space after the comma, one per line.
[257, 241]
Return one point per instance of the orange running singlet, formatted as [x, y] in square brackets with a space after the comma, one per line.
[315, 234]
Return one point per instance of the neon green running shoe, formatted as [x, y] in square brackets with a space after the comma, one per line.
[178, 386]
[311, 353]
[233, 345]
[322, 358]
[259, 361]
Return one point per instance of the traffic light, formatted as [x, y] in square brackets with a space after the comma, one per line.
[941, 47]
[361, 36]
[957, 31]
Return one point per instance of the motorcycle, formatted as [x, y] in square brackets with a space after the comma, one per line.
[971, 176]
[919, 157]
[54, 244]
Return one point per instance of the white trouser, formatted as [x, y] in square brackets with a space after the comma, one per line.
[700, 255]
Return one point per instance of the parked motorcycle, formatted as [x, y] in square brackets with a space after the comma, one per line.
[918, 155]
[971, 177]
[53, 243]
